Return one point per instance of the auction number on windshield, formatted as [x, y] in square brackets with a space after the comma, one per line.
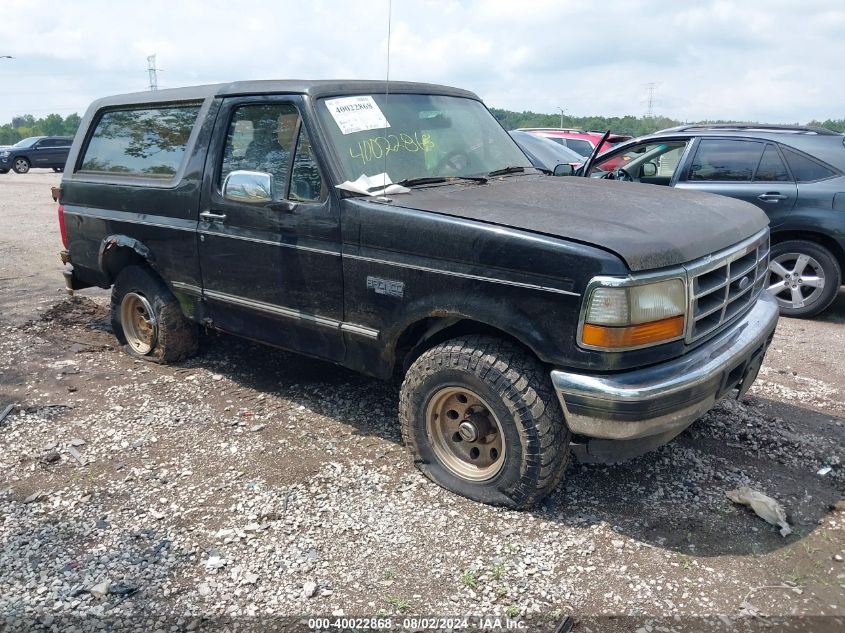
[377, 147]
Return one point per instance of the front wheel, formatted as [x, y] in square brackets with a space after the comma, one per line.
[481, 418]
[21, 165]
[147, 318]
[804, 277]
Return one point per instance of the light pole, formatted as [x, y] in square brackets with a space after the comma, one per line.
[561, 116]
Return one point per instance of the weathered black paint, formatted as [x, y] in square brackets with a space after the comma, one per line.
[513, 256]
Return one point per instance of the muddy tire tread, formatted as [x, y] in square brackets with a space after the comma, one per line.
[523, 383]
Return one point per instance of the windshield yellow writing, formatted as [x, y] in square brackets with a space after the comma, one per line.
[377, 147]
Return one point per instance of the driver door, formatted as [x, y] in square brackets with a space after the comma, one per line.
[271, 265]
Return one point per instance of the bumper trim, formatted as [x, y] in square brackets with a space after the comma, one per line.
[672, 395]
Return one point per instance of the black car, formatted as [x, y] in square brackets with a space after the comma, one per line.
[35, 151]
[399, 231]
[795, 174]
[544, 153]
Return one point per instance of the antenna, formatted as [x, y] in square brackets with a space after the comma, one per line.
[152, 70]
[387, 78]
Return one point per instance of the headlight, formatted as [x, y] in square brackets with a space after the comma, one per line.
[618, 317]
[5, 154]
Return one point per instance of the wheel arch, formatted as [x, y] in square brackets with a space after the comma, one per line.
[119, 251]
[812, 236]
[428, 331]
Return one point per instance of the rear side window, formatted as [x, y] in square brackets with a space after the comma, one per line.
[771, 168]
[725, 160]
[582, 147]
[147, 142]
[804, 168]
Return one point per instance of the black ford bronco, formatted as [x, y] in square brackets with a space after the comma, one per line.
[397, 229]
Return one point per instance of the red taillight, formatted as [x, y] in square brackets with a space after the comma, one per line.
[62, 228]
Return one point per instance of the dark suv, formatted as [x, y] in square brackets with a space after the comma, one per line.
[794, 174]
[396, 229]
[35, 151]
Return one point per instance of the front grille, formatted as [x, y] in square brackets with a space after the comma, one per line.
[723, 286]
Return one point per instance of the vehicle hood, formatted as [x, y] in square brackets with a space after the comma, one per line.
[648, 226]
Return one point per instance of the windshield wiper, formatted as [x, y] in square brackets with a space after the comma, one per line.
[430, 180]
[506, 170]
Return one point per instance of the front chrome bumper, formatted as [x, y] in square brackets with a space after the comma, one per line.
[664, 399]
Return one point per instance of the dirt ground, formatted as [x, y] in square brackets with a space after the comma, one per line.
[248, 484]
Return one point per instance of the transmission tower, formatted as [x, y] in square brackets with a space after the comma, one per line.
[650, 89]
[152, 70]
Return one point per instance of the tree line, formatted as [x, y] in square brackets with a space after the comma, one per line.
[631, 125]
[56, 125]
[27, 125]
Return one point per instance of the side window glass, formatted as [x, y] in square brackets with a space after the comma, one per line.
[725, 160]
[147, 142]
[804, 168]
[261, 138]
[664, 157]
[582, 147]
[306, 184]
[771, 168]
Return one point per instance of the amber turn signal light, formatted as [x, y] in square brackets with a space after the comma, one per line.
[633, 335]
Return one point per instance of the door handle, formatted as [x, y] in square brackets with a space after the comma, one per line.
[213, 217]
[772, 197]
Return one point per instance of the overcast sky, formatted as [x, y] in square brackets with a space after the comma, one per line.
[772, 60]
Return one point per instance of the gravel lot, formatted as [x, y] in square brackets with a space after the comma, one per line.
[248, 483]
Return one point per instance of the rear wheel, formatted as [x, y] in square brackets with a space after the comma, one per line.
[482, 420]
[804, 277]
[21, 165]
[147, 319]
[58, 170]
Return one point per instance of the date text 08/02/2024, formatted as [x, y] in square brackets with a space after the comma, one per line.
[479, 623]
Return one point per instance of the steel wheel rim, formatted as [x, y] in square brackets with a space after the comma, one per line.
[139, 323]
[796, 280]
[21, 165]
[465, 434]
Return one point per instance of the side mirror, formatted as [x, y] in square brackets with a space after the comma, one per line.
[563, 169]
[649, 170]
[248, 186]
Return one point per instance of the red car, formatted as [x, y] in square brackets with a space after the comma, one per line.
[582, 142]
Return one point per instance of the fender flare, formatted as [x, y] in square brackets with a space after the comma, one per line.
[446, 319]
[111, 244]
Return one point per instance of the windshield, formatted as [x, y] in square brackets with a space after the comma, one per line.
[416, 136]
[27, 142]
